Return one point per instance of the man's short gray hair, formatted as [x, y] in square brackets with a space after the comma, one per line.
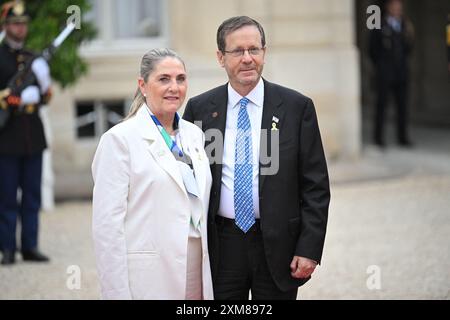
[233, 24]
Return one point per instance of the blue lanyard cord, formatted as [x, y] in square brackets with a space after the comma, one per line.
[171, 144]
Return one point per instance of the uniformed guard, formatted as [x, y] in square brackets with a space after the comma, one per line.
[22, 139]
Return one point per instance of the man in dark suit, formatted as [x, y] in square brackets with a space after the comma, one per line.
[267, 219]
[389, 49]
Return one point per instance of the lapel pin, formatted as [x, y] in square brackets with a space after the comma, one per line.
[275, 121]
[215, 114]
[274, 126]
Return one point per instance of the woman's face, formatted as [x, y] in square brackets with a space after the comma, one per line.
[165, 89]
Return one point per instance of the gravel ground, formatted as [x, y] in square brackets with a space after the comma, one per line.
[389, 226]
[398, 229]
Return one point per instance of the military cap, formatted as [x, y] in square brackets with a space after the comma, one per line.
[14, 11]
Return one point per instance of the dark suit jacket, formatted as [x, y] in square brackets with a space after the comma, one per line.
[390, 50]
[294, 201]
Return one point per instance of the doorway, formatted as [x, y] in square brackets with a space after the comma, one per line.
[429, 95]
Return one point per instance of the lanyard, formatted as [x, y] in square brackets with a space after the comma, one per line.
[187, 174]
[171, 144]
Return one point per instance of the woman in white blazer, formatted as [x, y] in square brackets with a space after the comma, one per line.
[151, 192]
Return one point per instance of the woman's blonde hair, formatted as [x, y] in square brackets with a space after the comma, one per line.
[148, 64]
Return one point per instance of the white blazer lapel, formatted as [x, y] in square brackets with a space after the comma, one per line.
[158, 148]
[190, 146]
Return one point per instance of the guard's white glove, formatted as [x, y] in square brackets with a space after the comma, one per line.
[42, 71]
[30, 95]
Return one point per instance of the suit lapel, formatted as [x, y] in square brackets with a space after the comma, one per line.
[218, 112]
[271, 109]
[217, 119]
[158, 148]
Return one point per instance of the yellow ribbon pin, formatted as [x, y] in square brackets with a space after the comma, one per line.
[274, 126]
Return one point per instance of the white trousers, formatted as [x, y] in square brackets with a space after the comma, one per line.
[194, 288]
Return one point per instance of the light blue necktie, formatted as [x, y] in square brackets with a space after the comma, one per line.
[243, 171]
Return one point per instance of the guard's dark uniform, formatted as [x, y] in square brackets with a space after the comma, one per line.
[389, 50]
[22, 142]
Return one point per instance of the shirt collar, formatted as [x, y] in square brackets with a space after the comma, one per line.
[395, 23]
[256, 96]
[14, 45]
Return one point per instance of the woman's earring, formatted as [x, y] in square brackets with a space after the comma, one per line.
[145, 95]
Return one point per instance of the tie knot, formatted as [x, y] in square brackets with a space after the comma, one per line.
[244, 102]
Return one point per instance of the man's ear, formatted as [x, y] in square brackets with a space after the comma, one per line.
[220, 58]
[264, 55]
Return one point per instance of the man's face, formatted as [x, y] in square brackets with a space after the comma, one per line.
[245, 70]
[17, 31]
[395, 8]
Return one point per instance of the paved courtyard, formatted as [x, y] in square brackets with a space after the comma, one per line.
[388, 235]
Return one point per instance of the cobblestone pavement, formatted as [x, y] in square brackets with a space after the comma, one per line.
[389, 227]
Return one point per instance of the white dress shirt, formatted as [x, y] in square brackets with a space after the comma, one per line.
[255, 110]
[395, 23]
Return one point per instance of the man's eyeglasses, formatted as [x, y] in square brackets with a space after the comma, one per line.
[240, 52]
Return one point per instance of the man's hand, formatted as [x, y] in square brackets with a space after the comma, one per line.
[3, 95]
[13, 101]
[302, 267]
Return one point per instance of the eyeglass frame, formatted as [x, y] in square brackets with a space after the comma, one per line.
[242, 52]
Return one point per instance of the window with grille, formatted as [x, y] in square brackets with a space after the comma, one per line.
[94, 117]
